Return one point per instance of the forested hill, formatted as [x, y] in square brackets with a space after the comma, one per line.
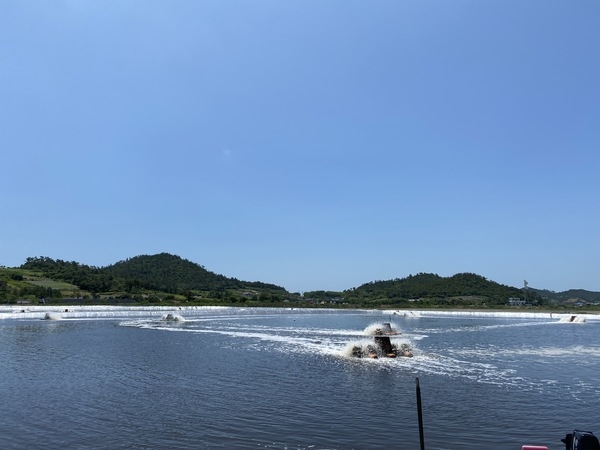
[570, 296]
[462, 288]
[170, 273]
[166, 277]
[163, 272]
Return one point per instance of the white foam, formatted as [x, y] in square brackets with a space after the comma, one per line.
[365, 344]
[99, 311]
[173, 318]
[52, 316]
[498, 314]
[110, 311]
[381, 328]
[572, 319]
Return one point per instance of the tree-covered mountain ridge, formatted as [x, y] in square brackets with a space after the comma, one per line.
[462, 289]
[169, 277]
[569, 296]
[172, 273]
[459, 290]
[144, 276]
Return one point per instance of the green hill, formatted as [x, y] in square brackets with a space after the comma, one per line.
[170, 273]
[166, 277]
[144, 277]
[463, 289]
[570, 296]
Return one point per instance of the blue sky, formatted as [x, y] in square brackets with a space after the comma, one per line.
[310, 144]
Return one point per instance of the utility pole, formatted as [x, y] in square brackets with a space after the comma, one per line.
[420, 416]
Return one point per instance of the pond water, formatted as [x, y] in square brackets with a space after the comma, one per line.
[284, 379]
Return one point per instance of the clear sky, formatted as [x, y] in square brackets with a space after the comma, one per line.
[314, 144]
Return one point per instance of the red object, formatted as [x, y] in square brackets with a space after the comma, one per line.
[534, 447]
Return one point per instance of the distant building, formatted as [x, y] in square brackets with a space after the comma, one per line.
[249, 293]
[516, 301]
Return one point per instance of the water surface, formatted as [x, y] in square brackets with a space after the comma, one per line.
[282, 379]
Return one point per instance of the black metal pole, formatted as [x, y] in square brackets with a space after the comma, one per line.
[420, 413]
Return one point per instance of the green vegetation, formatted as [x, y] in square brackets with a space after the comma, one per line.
[431, 290]
[145, 279]
[570, 297]
[169, 273]
[169, 279]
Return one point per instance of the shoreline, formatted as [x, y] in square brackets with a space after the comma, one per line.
[109, 312]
